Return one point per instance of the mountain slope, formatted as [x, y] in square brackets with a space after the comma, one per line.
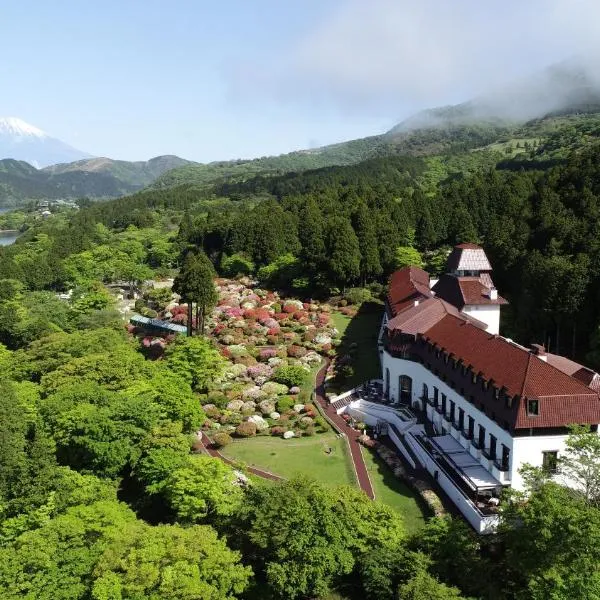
[92, 178]
[21, 141]
[138, 173]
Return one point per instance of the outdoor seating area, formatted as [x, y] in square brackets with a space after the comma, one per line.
[372, 391]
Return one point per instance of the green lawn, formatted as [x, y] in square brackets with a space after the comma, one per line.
[362, 329]
[306, 456]
[393, 492]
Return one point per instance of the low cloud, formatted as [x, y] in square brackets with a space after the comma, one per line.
[379, 56]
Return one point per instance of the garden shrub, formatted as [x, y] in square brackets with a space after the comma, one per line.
[320, 423]
[148, 312]
[217, 398]
[290, 375]
[222, 439]
[357, 295]
[246, 429]
[284, 404]
[278, 430]
[212, 412]
[236, 264]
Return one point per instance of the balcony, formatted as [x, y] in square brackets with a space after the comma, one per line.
[501, 465]
[487, 452]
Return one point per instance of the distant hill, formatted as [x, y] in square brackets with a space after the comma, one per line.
[93, 178]
[570, 88]
[138, 173]
[21, 141]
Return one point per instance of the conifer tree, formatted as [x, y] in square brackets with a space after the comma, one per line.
[367, 240]
[195, 285]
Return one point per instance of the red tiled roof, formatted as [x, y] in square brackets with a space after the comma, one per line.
[461, 291]
[406, 286]
[563, 399]
[417, 319]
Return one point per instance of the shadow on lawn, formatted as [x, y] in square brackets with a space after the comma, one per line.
[360, 342]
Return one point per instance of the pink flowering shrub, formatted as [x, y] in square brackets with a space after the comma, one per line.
[324, 318]
[290, 308]
[267, 353]
[260, 370]
[271, 323]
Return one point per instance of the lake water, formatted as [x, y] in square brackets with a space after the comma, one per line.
[8, 237]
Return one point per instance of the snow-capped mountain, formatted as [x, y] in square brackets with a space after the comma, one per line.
[22, 141]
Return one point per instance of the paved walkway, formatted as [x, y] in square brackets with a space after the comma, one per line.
[352, 435]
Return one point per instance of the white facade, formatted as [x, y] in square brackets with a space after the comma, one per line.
[486, 313]
[522, 449]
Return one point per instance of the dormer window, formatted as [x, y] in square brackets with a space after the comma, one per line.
[446, 357]
[533, 407]
[485, 384]
[474, 377]
[496, 393]
[465, 369]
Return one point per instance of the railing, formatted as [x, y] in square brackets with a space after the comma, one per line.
[475, 443]
[466, 434]
[488, 454]
[501, 465]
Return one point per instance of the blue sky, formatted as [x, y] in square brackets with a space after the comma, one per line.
[213, 80]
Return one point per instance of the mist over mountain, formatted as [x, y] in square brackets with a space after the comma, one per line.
[571, 86]
[21, 141]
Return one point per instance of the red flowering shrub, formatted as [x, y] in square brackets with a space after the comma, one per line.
[273, 331]
[310, 410]
[179, 318]
[296, 351]
[304, 321]
[305, 305]
[324, 318]
[250, 313]
[225, 352]
[290, 308]
[280, 316]
[262, 314]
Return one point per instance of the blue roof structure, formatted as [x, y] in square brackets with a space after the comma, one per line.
[158, 324]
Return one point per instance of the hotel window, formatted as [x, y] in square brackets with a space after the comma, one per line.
[452, 410]
[481, 436]
[446, 358]
[492, 450]
[509, 401]
[533, 408]
[474, 377]
[550, 461]
[465, 369]
[461, 418]
[485, 384]
[496, 393]
[471, 427]
[444, 403]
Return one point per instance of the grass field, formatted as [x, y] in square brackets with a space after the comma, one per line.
[393, 492]
[306, 456]
[363, 330]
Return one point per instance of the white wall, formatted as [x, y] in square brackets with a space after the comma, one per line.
[522, 449]
[488, 314]
[420, 375]
[529, 450]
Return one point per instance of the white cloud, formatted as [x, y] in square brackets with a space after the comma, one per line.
[378, 55]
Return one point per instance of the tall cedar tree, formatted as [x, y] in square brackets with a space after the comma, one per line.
[370, 267]
[195, 285]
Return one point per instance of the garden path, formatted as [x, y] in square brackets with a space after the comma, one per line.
[214, 452]
[355, 452]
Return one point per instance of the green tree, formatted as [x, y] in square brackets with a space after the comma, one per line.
[370, 267]
[203, 488]
[196, 360]
[425, 587]
[407, 257]
[195, 284]
[236, 264]
[343, 250]
[579, 464]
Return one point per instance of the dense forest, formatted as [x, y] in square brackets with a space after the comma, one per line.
[100, 497]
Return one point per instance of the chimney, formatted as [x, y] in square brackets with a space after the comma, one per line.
[539, 351]
[493, 294]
